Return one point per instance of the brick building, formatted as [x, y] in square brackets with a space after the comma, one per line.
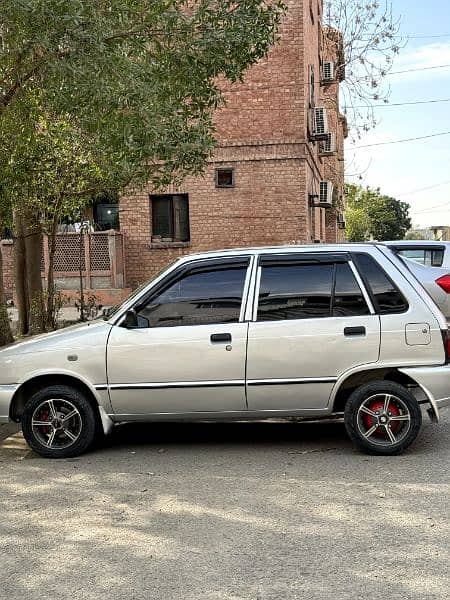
[276, 176]
[275, 160]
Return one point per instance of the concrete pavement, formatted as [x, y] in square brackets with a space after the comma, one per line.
[263, 511]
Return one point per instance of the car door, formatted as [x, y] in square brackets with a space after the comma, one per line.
[187, 352]
[312, 321]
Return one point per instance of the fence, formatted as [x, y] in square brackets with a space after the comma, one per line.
[100, 255]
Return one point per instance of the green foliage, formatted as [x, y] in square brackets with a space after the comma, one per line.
[371, 215]
[105, 95]
[138, 79]
[414, 234]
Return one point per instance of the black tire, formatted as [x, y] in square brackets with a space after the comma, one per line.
[380, 426]
[82, 426]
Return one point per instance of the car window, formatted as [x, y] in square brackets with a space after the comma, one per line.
[289, 291]
[348, 299]
[428, 257]
[197, 298]
[302, 291]
[387, 297]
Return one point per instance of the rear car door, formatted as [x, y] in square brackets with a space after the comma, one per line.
[312, 322]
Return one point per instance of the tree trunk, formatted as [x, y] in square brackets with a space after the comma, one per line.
[5, 330]
[33, 253]
[20, 276]
[50, 309]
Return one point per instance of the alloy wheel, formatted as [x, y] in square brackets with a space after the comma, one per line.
[384, 419]
[56, 423]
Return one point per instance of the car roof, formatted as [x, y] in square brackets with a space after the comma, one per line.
[416, 243]
[293, 248]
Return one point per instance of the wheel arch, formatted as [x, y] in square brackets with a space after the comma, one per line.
[345, 386]
[39, 382]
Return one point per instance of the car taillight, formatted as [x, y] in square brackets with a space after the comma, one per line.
[446, 340]
[444, 283]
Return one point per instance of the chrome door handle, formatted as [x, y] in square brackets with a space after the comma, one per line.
[221, 338]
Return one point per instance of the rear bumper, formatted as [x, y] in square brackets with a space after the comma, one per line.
[435, 382]
[6, 395]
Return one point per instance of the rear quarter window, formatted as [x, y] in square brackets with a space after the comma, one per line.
[386, 296]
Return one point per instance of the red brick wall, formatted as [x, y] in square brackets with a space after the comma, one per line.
[267, 206]
[263, 134]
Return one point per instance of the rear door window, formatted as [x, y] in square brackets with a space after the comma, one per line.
[309, 291]
[348, 300]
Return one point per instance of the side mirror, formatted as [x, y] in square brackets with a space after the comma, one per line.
[131, 320]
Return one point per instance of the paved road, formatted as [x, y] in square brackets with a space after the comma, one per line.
[263, 511]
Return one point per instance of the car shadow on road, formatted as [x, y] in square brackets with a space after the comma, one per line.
[267, 433]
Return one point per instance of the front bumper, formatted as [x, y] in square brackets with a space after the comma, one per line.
[6, 395]
[435, 382]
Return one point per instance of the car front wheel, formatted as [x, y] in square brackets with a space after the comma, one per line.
[382, 417]
[58, 422]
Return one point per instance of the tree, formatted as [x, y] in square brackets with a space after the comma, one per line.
[372, 215]
[5, 329]
[415, 234]
[364, 35]
[137, 81]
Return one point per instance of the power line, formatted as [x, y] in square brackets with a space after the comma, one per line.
[424, 189]
[426, 37]
[389, 105]
[432, 209]
[424, 137]
[418, 69]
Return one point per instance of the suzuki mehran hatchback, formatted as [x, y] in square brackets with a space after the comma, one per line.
[243, 334]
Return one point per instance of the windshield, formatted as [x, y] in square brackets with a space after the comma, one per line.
[112, 310]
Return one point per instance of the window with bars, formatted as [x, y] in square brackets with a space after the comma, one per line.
[170, 217]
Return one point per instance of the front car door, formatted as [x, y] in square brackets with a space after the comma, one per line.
[187, 353]
[312, 321]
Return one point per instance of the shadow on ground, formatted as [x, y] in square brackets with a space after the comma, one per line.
[232, 434]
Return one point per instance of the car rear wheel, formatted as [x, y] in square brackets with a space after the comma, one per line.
[382, 417]
[58, 422]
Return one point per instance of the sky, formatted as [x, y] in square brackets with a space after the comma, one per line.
[404, 170]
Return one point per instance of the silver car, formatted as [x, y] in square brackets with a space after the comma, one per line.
[429, 262]
[243, 334]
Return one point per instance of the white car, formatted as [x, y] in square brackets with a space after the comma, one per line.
[307, 331]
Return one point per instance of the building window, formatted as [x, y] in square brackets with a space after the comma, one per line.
[224, 178]
[170, 218]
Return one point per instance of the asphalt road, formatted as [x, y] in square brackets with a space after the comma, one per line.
[225, 512]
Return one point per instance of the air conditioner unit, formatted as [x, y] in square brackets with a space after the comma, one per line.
[328, 71]
[328, 146]
[320, 125]
[326, 194]
[341, 221]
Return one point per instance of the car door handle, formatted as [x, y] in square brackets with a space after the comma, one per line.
[354, 331]
[221, 338]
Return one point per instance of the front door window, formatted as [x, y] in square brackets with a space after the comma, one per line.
[198, 297]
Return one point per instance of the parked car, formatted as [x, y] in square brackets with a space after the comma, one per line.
[302, 331]
[426, 252]
[429, 262]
